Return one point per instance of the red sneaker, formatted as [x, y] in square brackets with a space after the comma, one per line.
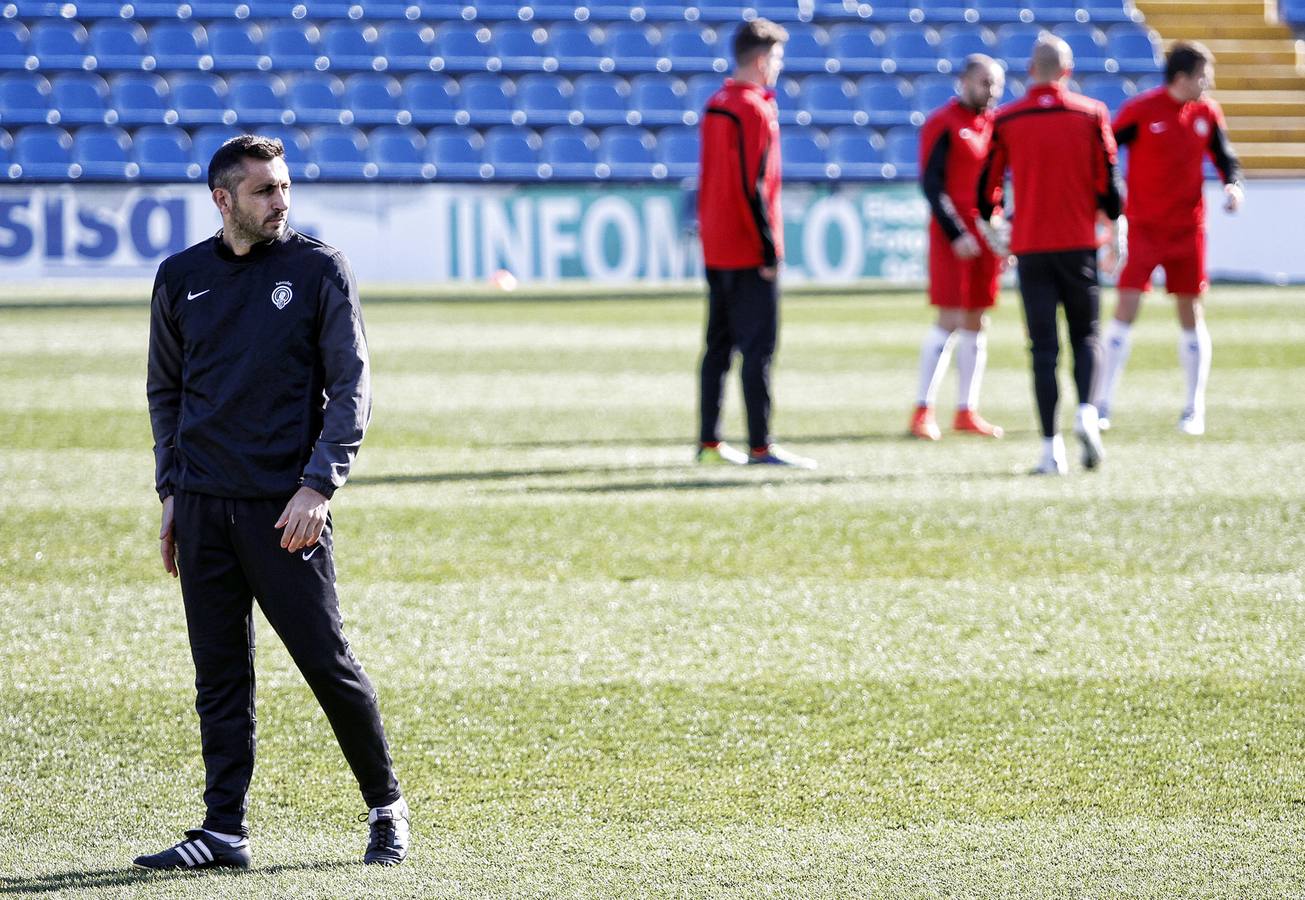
[923, 425]
[968, 420]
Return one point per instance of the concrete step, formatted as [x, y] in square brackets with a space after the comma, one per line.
[1260, 103]
[1261, 81]
[1206, 9]
[1230, 53]
[1196, 29]
[1263, 129]
[1273, 156]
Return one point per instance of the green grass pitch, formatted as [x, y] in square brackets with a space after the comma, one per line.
[915, 672]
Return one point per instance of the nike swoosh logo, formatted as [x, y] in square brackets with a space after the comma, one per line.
[308, 554]
[190, 296]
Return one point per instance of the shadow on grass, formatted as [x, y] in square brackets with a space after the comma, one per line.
[81, 880]
[507, 474]
[765, 478]
[796, 440]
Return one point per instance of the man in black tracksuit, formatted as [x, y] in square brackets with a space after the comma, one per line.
[259, 394]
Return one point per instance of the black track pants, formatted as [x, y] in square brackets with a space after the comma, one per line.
[229, 554]
[742, 314]
[1047, 280]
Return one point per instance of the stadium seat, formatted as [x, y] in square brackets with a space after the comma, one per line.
[943, 12]
[721, 11]
[407, 46]
[444, 10]
[578, 47]
[1135, 50]
[458, 154]
[465, 47]
[523, 47]
[1148, 82]
[808, 50]
[1106, 12]
[82, 98]
[956, 42]
[546, 100]
[887, 99]
[858, 48]
[1015, 45]
[914, 49]
[603, 99]
[628, 153]
[784, 11]
[931, 93]
[701, 88]
[888, 12]
[488, 100]
[999, 12]
[1111, 90]
[633, 49]
[498, 10]
[1050, 12]
[340, 153]
[399, 153]
[25, 99]
[1089, 47]
[902, 149]
[318, 99]
[557, 11]
[514, 153]
[259, 99]
[351, 47]
[234, 47]
[859, 154]
[679, 150]
[207, 140]
[653, 10]
[375, 99]
[805, 156]
[143, 98]
[58, 45]
[177, 46]
[432, 100]
[45, 153]
[13, 47]
[687, 48]
[659, 100]
[571, 153]
[294, 46]
[8, 168]
[165, 153]
[104, 153]
[201, 99]
[831, 100]
[788, 98]
[119, 46]
[298, 157]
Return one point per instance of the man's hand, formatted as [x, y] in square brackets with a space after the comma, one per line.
[167, 540]
[1233, 197]
[996, 234]
[1116, 245]
[303, 519]
[966, 247]
[769, 273]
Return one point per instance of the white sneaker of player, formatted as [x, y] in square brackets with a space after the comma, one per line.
[1053, 461]
[1087, 427]
[1191, 423]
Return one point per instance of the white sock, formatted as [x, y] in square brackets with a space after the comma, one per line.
[398, 807]
[1194, 351]
[1119, 341]
[971, 360]
[225, 838]
[1086, 418]
[935, 353]
[1053, 448]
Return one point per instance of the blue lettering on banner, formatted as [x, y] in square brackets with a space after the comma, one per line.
[175, 242]
[15, 237]
[54, 227]
[108, 235]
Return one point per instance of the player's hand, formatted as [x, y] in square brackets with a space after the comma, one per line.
[168, 540]
[303, 519]
[966, 247]
[1233, 197]
[996, 234]
[1116, 246]
[769, 273]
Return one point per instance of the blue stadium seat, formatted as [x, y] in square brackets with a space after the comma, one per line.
[407, 46]
[902, 149]
[273, 10]
[603, 99]
[1105, 12]
[207, 140]
[25, 99]
[701, 87]
[445, 10]
[788, 98]
[351, 47]
[659, 100]
[8, 168]
[888, 12]
[806, 156]
[572, 153]
[82, 98]
[1088, 46]
[165, 153]
[859, 154]
[546, 100]
[340, 152]
[488, 100]
[523, 47]
[631, 46]
[514, 153]
[784, 11]
[628, 153]
[721, 11]
[293, 45]
[690, 48]
[998, 12]
[679, 150]
[1111, 90]
[104, 153]
[318, 99]
[465, 47]
[931, 93]
[234, 47]
[841, 9]
[399, 153]
[259, 99]
[887, 99]
[578, 47]
[120, 46]
[1148, 82]
[1015, 45]
[201, 99]
[298, 155]
[1135, 50]
[143, 98]
[959, 41]
[180, 45]
[58, 45]
[458, 154]
[942, 12]
[376, 99]
[557, 11]
[432, 100]
[808, 50]
[45, 153]
[858, 48]
[650, 10]
[498, 10]
[831, 100]
[13, 47]
[1050, 12]
[914, 49]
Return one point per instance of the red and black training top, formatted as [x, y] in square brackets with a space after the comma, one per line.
[738, 184]
[1061, 154]
[1167, 143]
[953, 146]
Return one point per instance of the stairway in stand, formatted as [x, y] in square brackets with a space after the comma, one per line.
[1258, 79]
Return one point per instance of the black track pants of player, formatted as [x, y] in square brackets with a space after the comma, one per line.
[742, 314]
[1047, 280]
[229, 553]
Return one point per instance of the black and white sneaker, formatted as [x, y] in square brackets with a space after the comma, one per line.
[388, 843]
[198, 851]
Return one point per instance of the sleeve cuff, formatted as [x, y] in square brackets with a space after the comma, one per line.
[325, 488]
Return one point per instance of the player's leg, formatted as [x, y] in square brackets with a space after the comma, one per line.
[1082, 298]
[1134, 282]
[972, 345]
[1040, 295]
[936, 348]
[718, 350]
[1187, 281]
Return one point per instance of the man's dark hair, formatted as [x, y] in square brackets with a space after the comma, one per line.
[755, 37]
[223, 168]
[1184, 58]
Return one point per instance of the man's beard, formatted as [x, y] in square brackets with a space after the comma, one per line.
[251, 230]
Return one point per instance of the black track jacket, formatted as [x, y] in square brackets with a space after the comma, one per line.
[258, 377]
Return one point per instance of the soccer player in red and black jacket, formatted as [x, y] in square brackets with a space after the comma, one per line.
[1169, 132]
[1061, 155]
[742, 242]
[963, 270]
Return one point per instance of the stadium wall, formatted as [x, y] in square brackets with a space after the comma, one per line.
[617, 234]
